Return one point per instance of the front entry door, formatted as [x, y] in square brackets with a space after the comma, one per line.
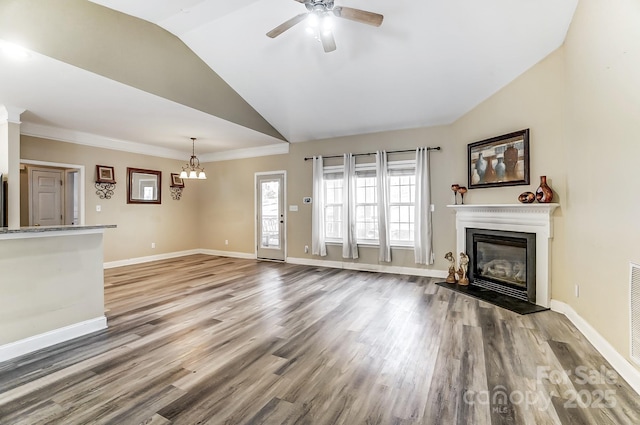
[46, 197]
[270, 216]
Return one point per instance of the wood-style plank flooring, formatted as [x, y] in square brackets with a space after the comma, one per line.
[211, 340]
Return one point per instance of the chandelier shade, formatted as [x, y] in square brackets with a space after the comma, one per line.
[192, 169]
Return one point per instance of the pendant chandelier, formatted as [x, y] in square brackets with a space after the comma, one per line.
[192, 169]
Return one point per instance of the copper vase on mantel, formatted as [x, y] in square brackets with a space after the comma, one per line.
[544, 194]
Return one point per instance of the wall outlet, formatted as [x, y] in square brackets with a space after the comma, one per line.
[577, 291]
[153, 245]
[226, 242]
[306, 249]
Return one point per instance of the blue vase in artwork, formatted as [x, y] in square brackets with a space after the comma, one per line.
[501, 169]
[481, 167]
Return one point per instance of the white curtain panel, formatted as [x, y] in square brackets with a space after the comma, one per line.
[383, 206]
[423, 244]
[349, 244]
[318, 245]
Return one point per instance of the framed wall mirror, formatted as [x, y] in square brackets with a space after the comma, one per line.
[144, 186]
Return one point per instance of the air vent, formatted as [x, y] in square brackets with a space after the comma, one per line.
[634, 283]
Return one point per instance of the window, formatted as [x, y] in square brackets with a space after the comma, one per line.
[402, 184]
[401, 199]
[366, 206]
[333, 205]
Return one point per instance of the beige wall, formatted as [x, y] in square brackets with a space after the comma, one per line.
[602, 81]
[171, 225]
[228, 195]
[535, 100]
[227, 202]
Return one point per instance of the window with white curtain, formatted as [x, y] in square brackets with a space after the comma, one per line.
[366, 206]
[401, 196]
[333, 205]
[402, 183]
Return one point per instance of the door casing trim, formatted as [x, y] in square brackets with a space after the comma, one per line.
[284, 208]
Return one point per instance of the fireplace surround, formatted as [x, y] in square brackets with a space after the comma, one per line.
[533, 219]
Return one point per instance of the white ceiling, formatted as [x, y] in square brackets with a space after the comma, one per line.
[428, 64]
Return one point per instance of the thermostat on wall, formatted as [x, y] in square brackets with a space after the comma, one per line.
[306, 200]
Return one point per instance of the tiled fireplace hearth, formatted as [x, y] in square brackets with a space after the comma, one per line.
[535, 219]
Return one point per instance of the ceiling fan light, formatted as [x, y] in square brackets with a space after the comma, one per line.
[313, 20]
[309, 31]
[327, 24]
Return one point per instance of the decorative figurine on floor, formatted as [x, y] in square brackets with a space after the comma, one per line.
[462, 271]
[452, 267]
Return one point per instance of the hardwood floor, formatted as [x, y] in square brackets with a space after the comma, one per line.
[210, 340]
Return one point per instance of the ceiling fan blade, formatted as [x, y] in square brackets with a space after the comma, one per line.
[358, 15]
[328, 42]
[286, 25]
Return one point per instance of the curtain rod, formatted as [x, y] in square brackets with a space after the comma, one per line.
[437, 148]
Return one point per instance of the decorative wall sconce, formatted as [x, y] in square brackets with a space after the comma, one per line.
[105, 181]
[177, 185]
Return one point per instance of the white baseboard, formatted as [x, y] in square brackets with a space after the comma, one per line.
[379, 268]
[166, 256]
[617, 360]
[47, 339]
[231, 254]
[141, 260]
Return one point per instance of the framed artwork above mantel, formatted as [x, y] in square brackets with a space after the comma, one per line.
[499, 161]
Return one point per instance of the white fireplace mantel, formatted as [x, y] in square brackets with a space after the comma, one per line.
[527, 218]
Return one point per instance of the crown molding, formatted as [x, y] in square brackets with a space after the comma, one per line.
[88, 139]
[10, 114]
[277, 149]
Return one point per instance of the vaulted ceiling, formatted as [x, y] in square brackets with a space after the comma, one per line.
[427, 64]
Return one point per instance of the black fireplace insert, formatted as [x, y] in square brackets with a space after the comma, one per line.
[503, 261]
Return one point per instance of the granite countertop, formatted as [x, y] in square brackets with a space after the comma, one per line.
[66, 228]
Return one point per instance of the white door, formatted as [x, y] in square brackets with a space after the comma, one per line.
[46, 197]
[270, 215]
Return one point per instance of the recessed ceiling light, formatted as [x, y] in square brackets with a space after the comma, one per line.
[13, 51]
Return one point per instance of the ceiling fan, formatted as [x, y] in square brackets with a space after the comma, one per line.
[319, 15]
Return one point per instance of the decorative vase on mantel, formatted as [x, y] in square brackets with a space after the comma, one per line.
[544, 194]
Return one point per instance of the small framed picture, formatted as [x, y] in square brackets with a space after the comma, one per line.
[176, 181]
[105, 174]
